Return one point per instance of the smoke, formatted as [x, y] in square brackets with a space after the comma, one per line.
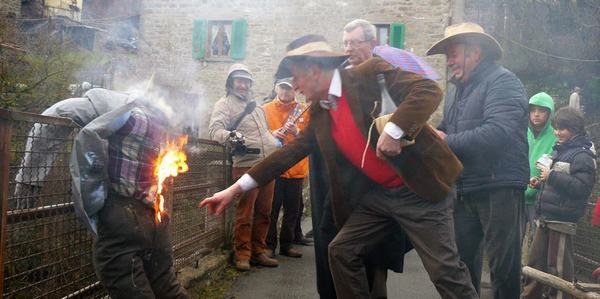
[183, 109]
[196, 150]
[153, 97]
[159, 72]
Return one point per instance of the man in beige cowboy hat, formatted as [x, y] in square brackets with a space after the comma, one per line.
[485, 124]
[389, 183]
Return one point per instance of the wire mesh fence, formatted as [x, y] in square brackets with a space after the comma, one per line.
[46, 252]
[587, 246]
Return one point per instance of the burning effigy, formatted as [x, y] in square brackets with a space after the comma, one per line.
[171, 162]
[119, 167]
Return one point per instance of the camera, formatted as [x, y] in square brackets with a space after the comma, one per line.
[237, 147]
[236, 144]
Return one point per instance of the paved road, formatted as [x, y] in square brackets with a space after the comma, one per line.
[295, 278]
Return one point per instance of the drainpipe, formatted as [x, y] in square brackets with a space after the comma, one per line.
[458, 11]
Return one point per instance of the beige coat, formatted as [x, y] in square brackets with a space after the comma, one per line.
[254, 128]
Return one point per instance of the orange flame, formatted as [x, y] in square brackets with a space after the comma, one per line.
[171, 162]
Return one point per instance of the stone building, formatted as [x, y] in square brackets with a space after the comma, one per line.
[10, 9]
[171, 29]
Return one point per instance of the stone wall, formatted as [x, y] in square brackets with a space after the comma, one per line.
[10, 8]
[166, 30]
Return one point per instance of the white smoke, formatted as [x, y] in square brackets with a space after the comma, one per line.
[158, 74]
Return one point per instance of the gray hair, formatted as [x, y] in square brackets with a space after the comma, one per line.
[368, 28]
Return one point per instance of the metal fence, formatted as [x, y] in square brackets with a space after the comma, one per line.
[587, 246]
[45, 251]
[587, 241]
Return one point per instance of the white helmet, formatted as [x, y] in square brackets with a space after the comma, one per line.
[239, 70]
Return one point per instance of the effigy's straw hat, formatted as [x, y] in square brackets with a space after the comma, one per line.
[470, 32]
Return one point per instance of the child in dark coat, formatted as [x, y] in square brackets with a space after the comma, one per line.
[565, 185]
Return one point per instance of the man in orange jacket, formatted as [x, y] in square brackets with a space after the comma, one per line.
[286, 119]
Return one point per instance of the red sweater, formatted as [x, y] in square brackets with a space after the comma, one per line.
[351, 142]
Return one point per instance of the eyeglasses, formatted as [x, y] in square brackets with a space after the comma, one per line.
[353, 44]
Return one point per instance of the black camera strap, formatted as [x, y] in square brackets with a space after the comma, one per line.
[247, 110]
[238, 119]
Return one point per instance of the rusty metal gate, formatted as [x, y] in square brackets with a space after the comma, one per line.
[45, 251]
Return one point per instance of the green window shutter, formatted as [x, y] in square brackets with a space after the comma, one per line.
[397, 31]
[199, 38]
[239, 27]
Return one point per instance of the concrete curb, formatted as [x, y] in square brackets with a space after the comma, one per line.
[213, 262]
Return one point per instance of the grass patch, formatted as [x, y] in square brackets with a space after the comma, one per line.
[215, 284]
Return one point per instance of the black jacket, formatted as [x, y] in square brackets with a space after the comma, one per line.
[564, 195]
[486, 120]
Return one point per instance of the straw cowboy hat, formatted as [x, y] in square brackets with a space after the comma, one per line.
[467, 32]
[311, 47]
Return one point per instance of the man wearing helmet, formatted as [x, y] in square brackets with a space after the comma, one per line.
[237, 118]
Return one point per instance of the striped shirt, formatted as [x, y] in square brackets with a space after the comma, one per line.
[133, 151]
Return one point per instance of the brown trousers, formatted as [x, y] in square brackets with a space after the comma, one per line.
[252, 218]
[429, 227]
[543, 256]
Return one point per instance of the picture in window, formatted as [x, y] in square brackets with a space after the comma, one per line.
[220, 38]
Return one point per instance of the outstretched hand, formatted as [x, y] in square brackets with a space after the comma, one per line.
[217, 203]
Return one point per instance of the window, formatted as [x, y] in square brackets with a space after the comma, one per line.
[383, 34]
[390, 34]
[219, 39]
[219, 33]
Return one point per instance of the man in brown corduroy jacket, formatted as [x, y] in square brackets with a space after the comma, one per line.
[386, 177]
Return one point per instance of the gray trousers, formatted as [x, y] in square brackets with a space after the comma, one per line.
[132, 255]
[429, 227]
[491, 221]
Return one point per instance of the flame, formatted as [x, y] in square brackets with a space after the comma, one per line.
[171, 162]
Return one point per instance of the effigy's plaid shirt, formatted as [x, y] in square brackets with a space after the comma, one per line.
[133, 151]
